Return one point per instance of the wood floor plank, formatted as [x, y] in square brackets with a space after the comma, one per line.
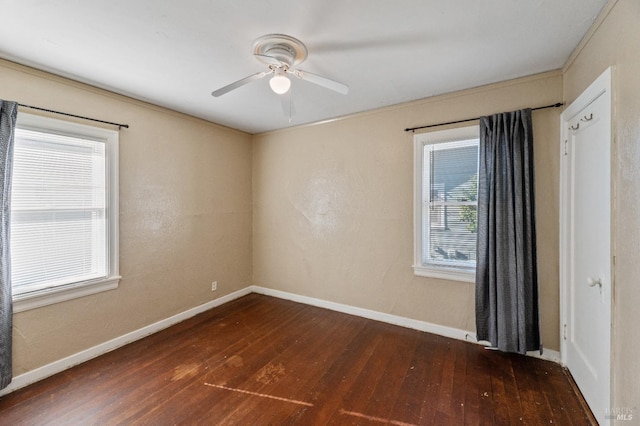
[566, 404]
[457, 405]
[396, 368]
[279, 377]
[310, 363]
[233, 366]
[409, 399]
[475, 376]
[534, 407]
[327, 394]
[488, 408]
[433, 362]
[260, 360]
[512, 400]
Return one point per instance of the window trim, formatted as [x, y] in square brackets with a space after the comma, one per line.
[39, 298]
[419, 141]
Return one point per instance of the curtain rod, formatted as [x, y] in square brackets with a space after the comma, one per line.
[120, 126]
[411, 129]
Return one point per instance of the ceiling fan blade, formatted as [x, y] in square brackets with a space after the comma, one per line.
[321, 81]
[288, 107]
[268, 59]
[239, 83]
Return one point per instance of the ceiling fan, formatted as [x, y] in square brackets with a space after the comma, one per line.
[281, 53]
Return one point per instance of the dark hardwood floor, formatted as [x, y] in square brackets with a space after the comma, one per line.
[265, 361]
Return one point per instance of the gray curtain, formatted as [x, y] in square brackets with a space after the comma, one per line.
[506, 272]
[8, 114]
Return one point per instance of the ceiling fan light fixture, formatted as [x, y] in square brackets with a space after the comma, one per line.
[279, 83]
[281, 53]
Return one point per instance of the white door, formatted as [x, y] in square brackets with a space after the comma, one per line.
[586, 277]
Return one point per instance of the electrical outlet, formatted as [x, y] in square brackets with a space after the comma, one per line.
[214, 285]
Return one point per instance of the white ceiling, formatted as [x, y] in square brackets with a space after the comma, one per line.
[175, 53]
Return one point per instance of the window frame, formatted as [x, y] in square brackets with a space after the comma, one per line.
[435, 270]
[35, 299]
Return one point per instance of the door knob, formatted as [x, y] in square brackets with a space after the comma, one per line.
[594, 282]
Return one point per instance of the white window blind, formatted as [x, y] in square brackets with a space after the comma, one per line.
[58, 211]
[445, 203]
[450, 203]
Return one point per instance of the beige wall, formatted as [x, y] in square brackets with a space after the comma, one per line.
[332, 215]
[333, 206]
[185, 218]
[616, 42]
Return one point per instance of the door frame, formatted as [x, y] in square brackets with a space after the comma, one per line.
[602, 86]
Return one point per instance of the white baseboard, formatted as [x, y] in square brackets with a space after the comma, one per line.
[369, 314]
[55, 367]
[547, 354]
[454, 333]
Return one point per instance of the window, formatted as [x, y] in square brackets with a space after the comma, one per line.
[446, 190]
[64, 211]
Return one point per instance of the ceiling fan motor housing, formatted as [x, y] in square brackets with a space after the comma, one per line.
[285, 49]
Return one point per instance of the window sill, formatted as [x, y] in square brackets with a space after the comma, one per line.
[26, 301]
[444, 273]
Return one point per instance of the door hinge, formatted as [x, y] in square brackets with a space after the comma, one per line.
[564, 332]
